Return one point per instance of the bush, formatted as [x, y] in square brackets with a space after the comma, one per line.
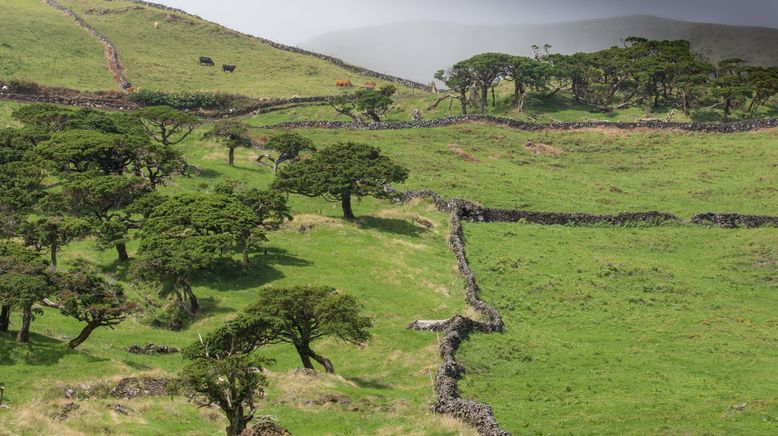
[181, 99]
[170, 316]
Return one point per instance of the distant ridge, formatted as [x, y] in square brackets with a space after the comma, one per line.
[418, 49]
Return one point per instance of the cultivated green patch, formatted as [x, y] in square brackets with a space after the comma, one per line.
[626, 331]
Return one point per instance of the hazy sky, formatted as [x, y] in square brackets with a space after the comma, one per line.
[296, 21]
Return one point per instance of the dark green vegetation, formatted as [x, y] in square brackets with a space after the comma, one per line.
[626, 331]
[643, 73]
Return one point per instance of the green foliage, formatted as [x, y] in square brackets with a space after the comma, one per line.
[24, 281]
[92, 300]
[166, 124]
[52, 233]
[269, 206]
[304, 314]
[232, 134]
[287, 146]
[366, 103]
[181, 99]
[339, 172]
[191, 233]
[232, 383]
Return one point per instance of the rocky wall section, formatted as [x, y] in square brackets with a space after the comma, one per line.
[339, 62]
[733, 220]
[107, 103]
[110, 50]
[731, 127]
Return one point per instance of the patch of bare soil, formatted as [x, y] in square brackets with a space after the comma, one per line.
[538, 148]
[463, 154]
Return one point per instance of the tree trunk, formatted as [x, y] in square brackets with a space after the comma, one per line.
[345, 202]
[237, 421]
[686, 104]
[373, 116]
[231, 159]
[494, 99]
[84, 335]
[53, 255]
[5, 318]
[484, 98]
[727, 107]
[323, 361]
[463, 101]
[121, 249]
[304, 356]
[23, 336]
[194, 305]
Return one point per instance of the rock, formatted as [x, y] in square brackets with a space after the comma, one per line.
[65, 411]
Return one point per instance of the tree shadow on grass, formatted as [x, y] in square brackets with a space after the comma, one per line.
[42, 350]
[392, 225]
[368, 383]
[236, 276]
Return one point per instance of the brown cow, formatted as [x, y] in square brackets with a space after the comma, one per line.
[370, 85]
[344, 83]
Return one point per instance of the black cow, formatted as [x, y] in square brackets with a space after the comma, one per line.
[205, 60]
[228, 68]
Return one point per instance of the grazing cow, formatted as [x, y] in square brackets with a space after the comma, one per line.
[370, 85]
[205, 60]
[344, 83]
[228, 68]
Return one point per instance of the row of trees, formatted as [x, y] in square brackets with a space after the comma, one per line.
[641, 73]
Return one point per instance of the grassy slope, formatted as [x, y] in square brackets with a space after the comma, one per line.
[40, 44]
[627, 331]
[388, 381]
[598, 171]
[167, 58]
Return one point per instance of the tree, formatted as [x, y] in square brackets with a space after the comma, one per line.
[525, 73]
[764, 85]
[167, 125]
[269, 206]
[731, 83]
[307, 313]
[459, 79]
[191, 233]
[105, 201]
[92, 300]
[339, 172]
[223, 371]
[24, 281]
[287, 146]
[231, 383]
[52, 233]
[486, 68]
[232, 134]
[369, 103]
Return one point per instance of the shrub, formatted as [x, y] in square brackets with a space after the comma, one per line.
[181, 99]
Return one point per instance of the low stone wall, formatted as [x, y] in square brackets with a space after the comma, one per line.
[339, 62]
[113, 57]
[732, 127]
[733, 220]
[561, 218]
[267, 105]
[99, 103]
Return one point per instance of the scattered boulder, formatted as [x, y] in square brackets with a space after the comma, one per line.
[65, 411]
[151, 349]
[266, 427]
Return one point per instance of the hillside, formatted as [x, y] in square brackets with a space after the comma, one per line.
[158, 49]
[40, 44]
[418, 49]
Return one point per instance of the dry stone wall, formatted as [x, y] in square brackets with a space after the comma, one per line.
[113, 56]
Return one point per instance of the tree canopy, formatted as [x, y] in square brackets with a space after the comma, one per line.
[339, 172]
[286, 146]
[232, 134]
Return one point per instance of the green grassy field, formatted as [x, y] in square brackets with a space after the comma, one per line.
[166, 58]
[40, 44]
[387, 383]
[668, 330]
[598, 171]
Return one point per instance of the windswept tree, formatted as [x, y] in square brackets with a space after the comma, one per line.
[340, 172]
[167, 125]
[24, 281]
[232, 134]
[286, 146]
[731, 84]
[486, 69]
[366, 103]
[764, 85]
[269, 206]
[105, 200]
[189, 234]
[92, 300]
[458, 79]
[51, 233]
[525, 73]
[305, 314]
